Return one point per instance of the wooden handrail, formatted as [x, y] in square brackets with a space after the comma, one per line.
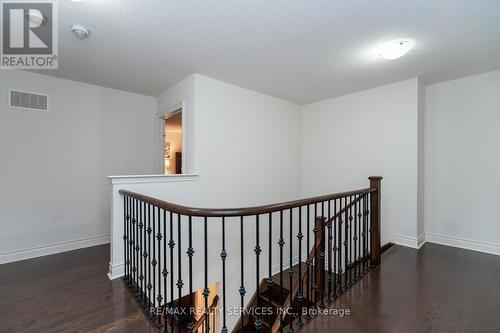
[202, 319]
[227, 212]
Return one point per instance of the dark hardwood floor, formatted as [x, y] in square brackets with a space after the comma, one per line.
[67, 293]
[437, 289]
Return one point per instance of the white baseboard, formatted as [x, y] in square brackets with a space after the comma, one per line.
[463, 243]
[116, 271]
[421, 241]
[52, 249]
[413, 242]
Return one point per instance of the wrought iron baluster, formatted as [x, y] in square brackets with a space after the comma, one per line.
[281, 243]
[223, 256]
[165, 270]
[300, 296]
[206, 291]
[180, 283]
[290, 269]
[340, 245]
[270, 276]
[335, 269]
[346, 244]
[308, 260]
[190, 252]
[355, 239]
[125, 237]
[159, 236]
[321, 268]
[329, 251]
[258, 250]
[360, 254]
[171, 245]
[370, 230]
[242, 285]
[143, 250]
[153, 264]
[137, 242]
[147, 257]
[315, 267]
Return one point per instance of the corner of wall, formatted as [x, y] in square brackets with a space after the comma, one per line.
[420, 158]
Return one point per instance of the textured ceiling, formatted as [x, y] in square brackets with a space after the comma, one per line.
[300, 50]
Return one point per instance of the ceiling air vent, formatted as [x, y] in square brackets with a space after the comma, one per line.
[28, 101]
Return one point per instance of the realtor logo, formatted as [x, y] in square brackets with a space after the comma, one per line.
[29, 34]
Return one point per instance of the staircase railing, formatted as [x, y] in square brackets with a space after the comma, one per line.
[330, 241]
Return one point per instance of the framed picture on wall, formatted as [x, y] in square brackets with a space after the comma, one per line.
[167, 149]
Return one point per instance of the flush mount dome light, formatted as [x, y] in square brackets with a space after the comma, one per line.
[80, 32]
[395, 49]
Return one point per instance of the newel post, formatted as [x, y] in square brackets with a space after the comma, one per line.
[375, 183]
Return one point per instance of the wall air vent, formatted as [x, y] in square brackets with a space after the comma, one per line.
[28, 101]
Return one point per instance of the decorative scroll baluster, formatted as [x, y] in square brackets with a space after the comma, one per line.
[354, 241]
[171, 245]
[206, 291]
[242, 286]
[363, 233]
[308, 260]
[159, 296]
[339, 247]
[315, 267]
[329, 251]
[350, 240]
[131, 255]
[270, 262]
[147, 257]
[143, 250]
[125, 238]
[190, 252]
[281, 243]
[300, 291]
[137, 248]
[335, 269]
[258, 322]
[180, 283]
[223, 256]
[164, 271]
[321, 268]
[358, 238]
[346, 239]
[153, 264]
[290, 269]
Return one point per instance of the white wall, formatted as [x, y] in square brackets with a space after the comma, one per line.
[247, 147]
[181, 94]
[462, 162]
[53, 166]
[245, 143]
[373, 132]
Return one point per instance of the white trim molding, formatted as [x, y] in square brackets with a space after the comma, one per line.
[414, 243]
[143, 179]
[41, 251]
[116, 271]
[463, 243]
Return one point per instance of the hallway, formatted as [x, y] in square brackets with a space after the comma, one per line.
[440, 289]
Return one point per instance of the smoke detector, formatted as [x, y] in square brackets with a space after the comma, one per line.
[80, 31]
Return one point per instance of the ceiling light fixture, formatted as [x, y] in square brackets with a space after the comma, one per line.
[395, 49]
[80, 31]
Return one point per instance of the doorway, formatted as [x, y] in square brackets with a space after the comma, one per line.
[172, 143]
